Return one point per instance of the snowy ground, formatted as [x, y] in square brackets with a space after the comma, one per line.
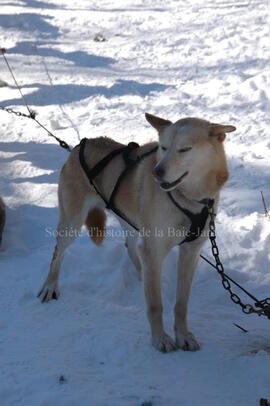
[174, 58]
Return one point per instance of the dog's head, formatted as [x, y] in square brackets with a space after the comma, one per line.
[191, 156]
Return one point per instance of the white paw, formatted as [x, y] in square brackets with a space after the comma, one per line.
[164, 343]
[187, 342]
[48, 292]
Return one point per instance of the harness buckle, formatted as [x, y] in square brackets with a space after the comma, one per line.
[130, 147]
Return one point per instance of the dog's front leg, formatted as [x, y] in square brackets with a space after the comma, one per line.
[187, 263]
[151, 258]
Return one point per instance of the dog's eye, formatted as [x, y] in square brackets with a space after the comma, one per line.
[184, 149]
[164, 148]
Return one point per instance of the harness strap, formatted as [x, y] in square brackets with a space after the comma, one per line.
[91, 173]
[129, 164]
[198, 220]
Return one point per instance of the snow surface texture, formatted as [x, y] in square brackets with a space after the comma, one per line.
[201, 58]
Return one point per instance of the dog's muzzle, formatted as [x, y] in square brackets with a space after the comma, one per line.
[168, 186]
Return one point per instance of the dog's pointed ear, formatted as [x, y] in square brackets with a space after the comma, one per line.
[158, 123]
[219, 131]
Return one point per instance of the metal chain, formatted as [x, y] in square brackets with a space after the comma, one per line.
[246, 308]
[32, 115]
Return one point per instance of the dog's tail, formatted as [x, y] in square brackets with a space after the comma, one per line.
[96, 224]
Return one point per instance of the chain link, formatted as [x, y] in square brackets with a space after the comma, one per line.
[246, 308]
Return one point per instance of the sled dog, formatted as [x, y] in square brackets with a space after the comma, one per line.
[190, 164]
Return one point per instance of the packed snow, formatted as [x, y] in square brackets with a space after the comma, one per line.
[173, 58]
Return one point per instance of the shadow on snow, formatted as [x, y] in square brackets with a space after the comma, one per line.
[46, 95]
[30, 23]
[79, 58]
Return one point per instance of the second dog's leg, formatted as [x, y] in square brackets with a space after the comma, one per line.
[187, 263]
[131, 243]
[151, 260]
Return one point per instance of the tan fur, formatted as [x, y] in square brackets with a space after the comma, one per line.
[219, 174]
[96, 224]
[191, 163]
[216, 179]
[222, 177]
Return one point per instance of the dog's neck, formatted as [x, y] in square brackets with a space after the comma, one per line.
[192, 204]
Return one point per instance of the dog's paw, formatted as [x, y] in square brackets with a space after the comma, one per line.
[48, 292]
[187, 342]
[164, 343]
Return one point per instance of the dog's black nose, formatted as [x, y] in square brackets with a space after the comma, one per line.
[159, 173]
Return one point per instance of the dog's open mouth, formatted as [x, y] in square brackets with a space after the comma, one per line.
[168, 186]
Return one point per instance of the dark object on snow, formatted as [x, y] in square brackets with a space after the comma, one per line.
[3, 83]
[264, 402]
[241, 328]
[99, 37]
[266, 211]
[147, 403]
[62, 379]
[2, 218]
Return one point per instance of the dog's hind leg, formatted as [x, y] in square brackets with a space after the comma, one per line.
[187, 263]
[67, 231]
[75, 202]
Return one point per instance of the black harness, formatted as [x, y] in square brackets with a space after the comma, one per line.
[198, 221]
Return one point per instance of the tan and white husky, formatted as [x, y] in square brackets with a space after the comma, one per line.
[190, 163]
